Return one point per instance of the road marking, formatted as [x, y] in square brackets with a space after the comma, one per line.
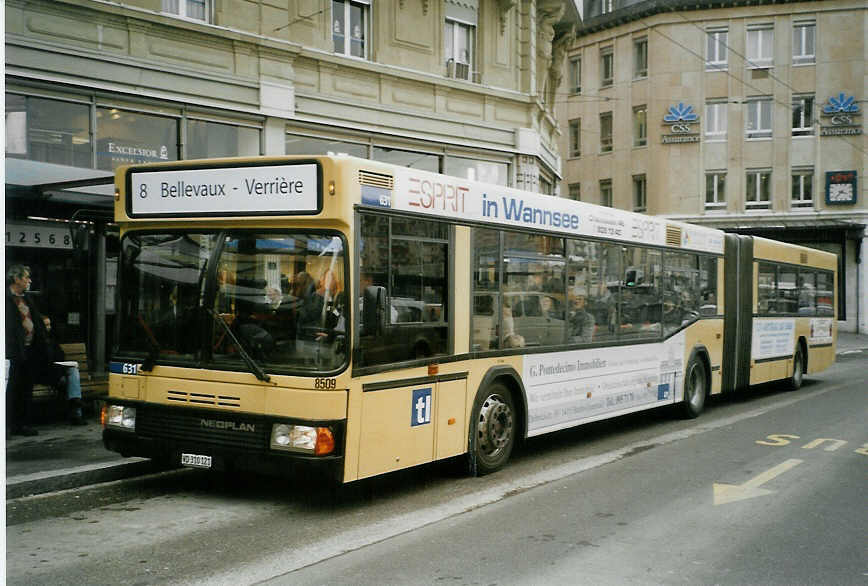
[836, 443]
[354, 538]
[729, 493]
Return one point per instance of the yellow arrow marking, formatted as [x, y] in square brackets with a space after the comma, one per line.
[728, 493]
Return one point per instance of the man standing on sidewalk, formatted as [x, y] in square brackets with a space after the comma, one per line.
[24, 337]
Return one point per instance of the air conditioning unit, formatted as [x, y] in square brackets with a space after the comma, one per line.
[457, 70]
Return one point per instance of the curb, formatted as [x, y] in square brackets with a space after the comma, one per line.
[42, 482]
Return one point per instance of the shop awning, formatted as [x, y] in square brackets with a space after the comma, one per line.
[59, 183]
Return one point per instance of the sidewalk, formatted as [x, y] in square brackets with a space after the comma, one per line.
[64, 456]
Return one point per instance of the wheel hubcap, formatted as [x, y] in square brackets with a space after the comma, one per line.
[495, 426]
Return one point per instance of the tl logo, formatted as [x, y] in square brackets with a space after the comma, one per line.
[420, 411]
[680, 113]
[841, 104]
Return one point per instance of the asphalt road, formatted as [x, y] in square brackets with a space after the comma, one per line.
[766, 488]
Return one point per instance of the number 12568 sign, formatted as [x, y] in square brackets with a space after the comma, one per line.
[38, 236]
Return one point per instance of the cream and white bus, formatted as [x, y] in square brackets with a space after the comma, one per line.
[367, 317]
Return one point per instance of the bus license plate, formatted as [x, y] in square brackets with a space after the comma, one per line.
[195, 460]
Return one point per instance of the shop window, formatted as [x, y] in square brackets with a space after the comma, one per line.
[476, 170]
[125, 137]
[206, 140]
[50, 131]
[412, 159]
[350, 27]
[297, 144]
[192, 9]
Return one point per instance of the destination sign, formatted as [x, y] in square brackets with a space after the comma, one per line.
[246, 190]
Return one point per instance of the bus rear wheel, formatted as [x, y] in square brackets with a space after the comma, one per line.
[493, 428]
[695, 388]
[795, 381]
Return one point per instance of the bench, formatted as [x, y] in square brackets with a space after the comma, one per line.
[93, 386]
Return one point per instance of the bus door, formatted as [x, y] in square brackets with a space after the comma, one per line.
[411, 421]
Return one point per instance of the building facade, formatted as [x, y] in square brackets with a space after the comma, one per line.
[464, 87]
[747, 117]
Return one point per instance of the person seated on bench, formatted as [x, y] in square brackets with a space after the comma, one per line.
[61, 375]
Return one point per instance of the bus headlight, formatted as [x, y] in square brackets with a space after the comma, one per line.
[318, 441]
[122, 417]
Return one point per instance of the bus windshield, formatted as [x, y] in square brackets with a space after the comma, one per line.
[280, 295]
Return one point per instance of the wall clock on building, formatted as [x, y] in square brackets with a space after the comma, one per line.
[841, 187]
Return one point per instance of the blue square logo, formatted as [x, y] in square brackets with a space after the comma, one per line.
[420, 410]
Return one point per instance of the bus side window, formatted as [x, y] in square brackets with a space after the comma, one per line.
[766, 289]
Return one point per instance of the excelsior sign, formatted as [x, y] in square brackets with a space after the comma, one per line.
[250, 190]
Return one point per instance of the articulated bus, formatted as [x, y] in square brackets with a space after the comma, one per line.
[366, 318]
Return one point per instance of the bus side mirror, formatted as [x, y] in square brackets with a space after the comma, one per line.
[373, 311]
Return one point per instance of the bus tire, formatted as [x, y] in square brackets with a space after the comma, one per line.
[795, 381]
[695, 388]
[493, 428]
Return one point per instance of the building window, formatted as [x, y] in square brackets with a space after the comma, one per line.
[607, 66]
[50, 131]
[759, 118]
[350, 27]
[575, 191]
[477, 170]
[124, 137]
[606, 192]
[576, 75]
[803, 43]
[192, 9]
[640, 58]
[208, 140]
[460, 39]
[404, 158]
[715, 120]
[715, 190]
[575, 138]
[803, 115]
[758, 192]
[640, 202]
[803, 190]
[760, 45]
[640, 126]
[297, 144]
[606, 6]
[715, 49]
[606, 132]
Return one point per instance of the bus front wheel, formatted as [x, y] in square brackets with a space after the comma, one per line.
[795, 381]
[493, 428]
[695, 388]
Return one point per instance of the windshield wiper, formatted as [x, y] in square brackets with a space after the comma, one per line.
[248, 359]
[153, 347]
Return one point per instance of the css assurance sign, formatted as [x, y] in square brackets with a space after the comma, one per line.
[250, 190]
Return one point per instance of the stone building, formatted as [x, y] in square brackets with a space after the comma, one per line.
[744, 116]
[465, 87]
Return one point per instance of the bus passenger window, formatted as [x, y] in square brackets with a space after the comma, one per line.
[766, 289]
[807, 292]
[707, 285]
[788, 295]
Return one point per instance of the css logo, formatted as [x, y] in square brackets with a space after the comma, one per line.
[420, 410]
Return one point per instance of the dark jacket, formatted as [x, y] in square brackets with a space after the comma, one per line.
[15, 331]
